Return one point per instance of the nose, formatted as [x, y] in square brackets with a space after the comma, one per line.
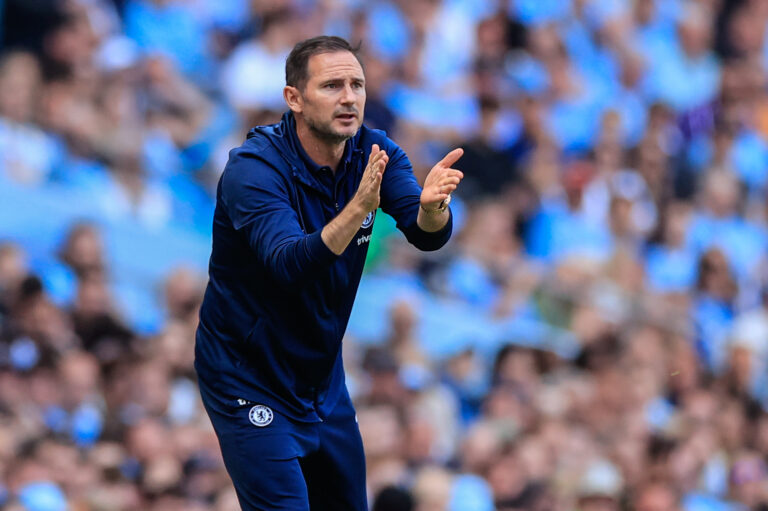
[348, 96]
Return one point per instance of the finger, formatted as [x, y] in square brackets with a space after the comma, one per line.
[454, 172]
[377, 168]
[381, 156]
[451, 157]
[373, 163]
[374, 152]
[446, 189]
[376, 157]
[450, 180]
[449, 174]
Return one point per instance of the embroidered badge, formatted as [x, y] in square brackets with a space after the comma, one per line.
[261, 416]
[368, 220]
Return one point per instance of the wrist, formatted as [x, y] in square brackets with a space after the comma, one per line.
[441, 208]
[358, 208]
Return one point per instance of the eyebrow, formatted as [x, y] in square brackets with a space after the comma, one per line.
[332, 80]
[360, 81]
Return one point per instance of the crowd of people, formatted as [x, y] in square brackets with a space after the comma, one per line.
[603, 303]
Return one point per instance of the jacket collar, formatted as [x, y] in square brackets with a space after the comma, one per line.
[284, 138]
[293, 137]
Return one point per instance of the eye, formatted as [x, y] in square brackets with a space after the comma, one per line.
[331, 86]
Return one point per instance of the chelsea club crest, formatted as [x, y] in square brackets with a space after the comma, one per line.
[368, 220]
[261, 416]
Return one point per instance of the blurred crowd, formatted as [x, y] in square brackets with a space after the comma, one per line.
[594, 337]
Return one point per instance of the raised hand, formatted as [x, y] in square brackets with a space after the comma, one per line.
[441, 181]
[338, 233]
[368, 192]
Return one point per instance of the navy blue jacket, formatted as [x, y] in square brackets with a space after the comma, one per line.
[278, 299]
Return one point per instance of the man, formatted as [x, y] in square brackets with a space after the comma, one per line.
[295, 209]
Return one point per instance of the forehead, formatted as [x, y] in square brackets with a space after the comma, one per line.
[339, 64]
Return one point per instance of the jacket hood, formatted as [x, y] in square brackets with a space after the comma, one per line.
[282, 136]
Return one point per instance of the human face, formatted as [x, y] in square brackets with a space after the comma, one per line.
[656, 498]
[333, 99]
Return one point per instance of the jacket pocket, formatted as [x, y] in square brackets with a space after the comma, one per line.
[273, 441]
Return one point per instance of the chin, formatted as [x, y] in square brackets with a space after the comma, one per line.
[345, 134]
[348, 130]
[333, 133]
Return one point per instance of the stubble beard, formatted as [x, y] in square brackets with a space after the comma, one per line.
[325, 132]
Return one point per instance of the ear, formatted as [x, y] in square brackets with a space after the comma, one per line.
[293, 99]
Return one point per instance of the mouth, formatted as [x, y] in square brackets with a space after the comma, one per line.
[346, 116]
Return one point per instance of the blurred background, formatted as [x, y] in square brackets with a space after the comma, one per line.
[594, 337]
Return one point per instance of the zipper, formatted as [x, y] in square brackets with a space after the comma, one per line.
[323, 193]
[338, 183]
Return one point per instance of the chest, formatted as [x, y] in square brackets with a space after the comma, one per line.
[320, 196]
[319, 201]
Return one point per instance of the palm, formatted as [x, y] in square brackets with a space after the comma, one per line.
[441, 181]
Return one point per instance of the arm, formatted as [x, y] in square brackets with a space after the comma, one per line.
[340, 231]
[414, 209]
[432, 221]
[257, 201]
[441, 181]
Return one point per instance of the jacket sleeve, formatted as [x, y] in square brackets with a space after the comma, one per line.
[257, 201]
[400, 198]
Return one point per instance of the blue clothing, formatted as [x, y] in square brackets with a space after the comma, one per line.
[669, 269]
[682, 82]
[557, 233]
[742, 242]
[278, 299]
[174, 30]
[279, 464]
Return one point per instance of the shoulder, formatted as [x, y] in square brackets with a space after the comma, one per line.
[254, 163]
[369, 136]
[255, 153]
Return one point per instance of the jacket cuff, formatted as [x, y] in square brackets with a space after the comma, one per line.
[429, 241]
[317, 249]
[439, 238]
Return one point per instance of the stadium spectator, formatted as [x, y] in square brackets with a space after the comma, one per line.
[602, 310]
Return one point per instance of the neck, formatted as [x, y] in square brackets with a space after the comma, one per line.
[323, 152]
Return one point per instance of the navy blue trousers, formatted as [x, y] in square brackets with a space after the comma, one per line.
[279, 464]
